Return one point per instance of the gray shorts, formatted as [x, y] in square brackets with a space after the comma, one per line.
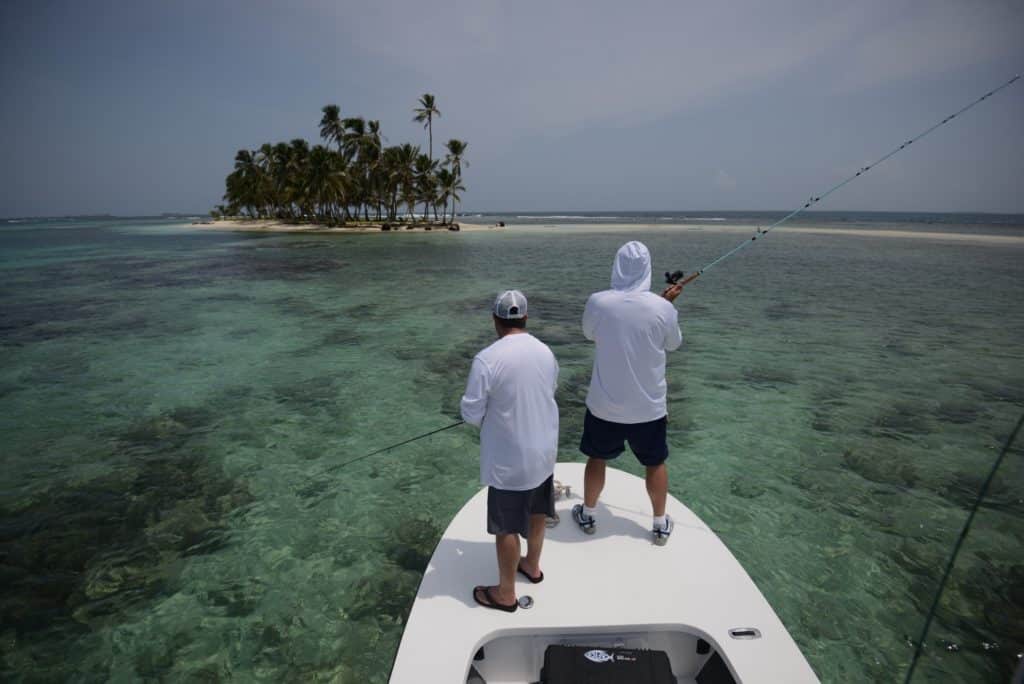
[508, 512]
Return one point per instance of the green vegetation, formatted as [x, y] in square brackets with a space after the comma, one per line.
[351, 175]
[425, 114]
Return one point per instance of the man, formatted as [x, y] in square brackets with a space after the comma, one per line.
[632, 328]
[511, 397]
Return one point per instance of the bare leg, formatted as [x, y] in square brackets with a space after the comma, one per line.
[657, 487]
[534, 543]
[508, 557]
[593, 481]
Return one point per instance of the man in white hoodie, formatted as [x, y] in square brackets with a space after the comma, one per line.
[632, 329]
[510, 395]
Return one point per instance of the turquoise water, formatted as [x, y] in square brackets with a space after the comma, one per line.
[172, 399]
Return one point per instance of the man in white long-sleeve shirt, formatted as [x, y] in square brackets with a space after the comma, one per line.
[632, 329]
[511, 397]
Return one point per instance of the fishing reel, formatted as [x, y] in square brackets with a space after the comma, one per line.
[673, 277]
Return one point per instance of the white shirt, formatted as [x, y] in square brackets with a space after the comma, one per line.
[511, 396]
[632, 328]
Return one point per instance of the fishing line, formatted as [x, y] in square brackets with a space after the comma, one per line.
[817, 198]
[390, 447]
[1013, 435]
[956, 547]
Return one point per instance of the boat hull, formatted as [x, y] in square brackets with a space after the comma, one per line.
[608, 589]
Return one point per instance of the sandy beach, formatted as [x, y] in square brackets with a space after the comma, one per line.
[748, 230]
[271, 226]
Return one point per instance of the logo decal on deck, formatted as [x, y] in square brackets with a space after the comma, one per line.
[598, 656]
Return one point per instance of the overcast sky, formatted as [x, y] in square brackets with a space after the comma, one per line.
[138, 106]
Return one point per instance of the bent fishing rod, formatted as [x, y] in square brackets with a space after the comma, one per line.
[677, 277]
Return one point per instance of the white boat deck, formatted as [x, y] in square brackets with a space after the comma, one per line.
[615, 582]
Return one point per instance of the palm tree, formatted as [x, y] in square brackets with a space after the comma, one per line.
[373, 136]
[331, 129]
[354, 137]
[375, 153]
[396, 168]
[268, 195]
[426, 113]
[325, 183]
[243, 184]
[449, 185]
[426, 182]
[298, 172]
[406, 157]
[456, 150]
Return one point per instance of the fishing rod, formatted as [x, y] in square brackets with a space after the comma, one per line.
[392, 446]
[677, 277]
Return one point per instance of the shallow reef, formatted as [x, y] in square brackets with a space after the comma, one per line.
[83, 555]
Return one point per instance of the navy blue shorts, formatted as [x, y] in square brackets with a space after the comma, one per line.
[606, 440]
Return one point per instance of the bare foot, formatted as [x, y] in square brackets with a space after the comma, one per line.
[488, 598]
[532, 572]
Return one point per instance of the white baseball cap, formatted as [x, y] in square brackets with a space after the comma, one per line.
[510, 304]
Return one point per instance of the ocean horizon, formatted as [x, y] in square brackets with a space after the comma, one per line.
[759, 215]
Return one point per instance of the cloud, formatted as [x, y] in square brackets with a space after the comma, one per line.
[723, 181]
[532, 65]
[922, 39]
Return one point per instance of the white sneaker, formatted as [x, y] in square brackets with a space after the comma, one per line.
[586, 522]
[661, 534]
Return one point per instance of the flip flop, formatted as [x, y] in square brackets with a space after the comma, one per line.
[491, 602]
[533, 580]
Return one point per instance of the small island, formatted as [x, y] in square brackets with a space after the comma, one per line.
[351, 182]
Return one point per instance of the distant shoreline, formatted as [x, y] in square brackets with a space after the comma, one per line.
[269, 226]
[568, 228]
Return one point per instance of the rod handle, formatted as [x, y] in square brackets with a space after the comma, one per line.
[689, 279]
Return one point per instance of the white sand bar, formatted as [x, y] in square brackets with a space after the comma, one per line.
[569, 228]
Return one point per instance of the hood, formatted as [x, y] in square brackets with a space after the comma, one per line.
[631, 271]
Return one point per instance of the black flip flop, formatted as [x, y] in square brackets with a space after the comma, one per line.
[533, 580]
[491, 602]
